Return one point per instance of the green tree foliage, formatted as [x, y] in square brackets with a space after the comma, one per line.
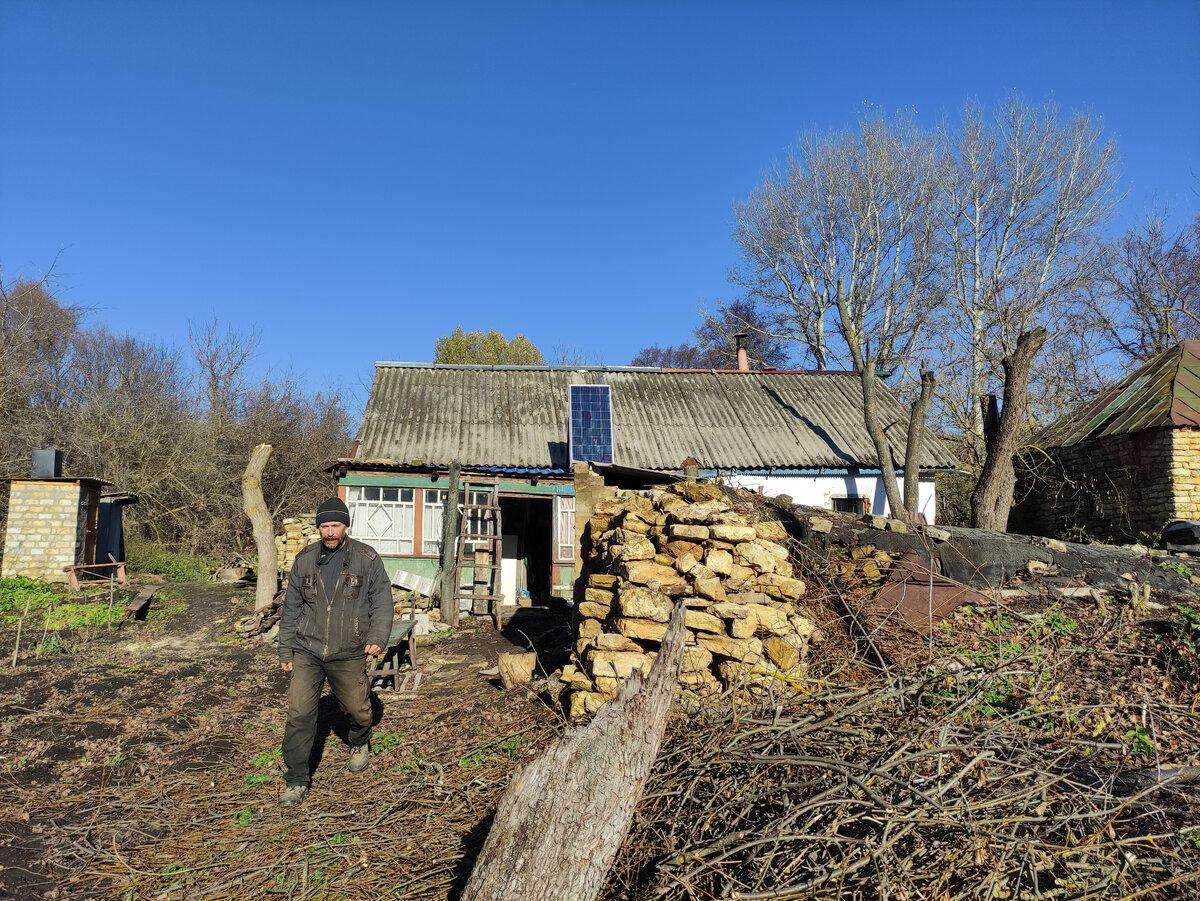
[486, 348]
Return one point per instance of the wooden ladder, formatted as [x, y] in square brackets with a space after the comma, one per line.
[484, 590]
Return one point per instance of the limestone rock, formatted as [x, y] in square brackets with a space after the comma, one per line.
[590, 628]
[602, 580]
[594, 610]
[771, 530]
[585, 703]
[782, 653]
[755, 556]
[732, 533]
[699, 621]
[788, 587]
[820, 524]
[618, 664]
[719, 561]
[679, 547]
[699, 514]
[607, 641]
[699, 492]
[696, 659]
[692, 532]
[710, 588]
[747, 650]
[643, 572]
[685, 564]
[641, 548]
[643, 603]
[771, 619]
[641, 629]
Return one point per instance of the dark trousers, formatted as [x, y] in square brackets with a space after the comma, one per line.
[348, 681]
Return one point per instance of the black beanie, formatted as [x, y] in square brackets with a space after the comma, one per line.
[333, 510]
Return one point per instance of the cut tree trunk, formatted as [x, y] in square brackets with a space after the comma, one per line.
[992, 498]
[516, 669]
[562, 819]
[912, 452]
[264, 535]
[448, 600]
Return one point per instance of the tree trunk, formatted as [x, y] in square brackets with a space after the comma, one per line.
[562, 819]
[264, 535]
[883, 450]
[912, 453]
[992, 497]
[448, 602]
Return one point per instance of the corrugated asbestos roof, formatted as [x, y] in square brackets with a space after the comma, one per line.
[517, 417]
[1165, 392]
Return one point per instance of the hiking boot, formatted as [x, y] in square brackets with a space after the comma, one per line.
[359, 758]
[293, 795]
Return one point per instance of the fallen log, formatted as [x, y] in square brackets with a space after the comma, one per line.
[562, 819]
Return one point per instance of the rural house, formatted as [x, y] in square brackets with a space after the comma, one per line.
[1124, 463]
[510, 430]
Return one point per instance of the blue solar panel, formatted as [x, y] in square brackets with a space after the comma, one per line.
[591, 430]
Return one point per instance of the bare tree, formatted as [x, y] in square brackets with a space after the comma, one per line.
[847, 230]
[1150, 298]
[1026, 195]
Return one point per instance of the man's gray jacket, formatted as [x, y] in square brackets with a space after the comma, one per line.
[339, 627]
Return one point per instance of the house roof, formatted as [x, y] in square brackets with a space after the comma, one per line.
[1164, 393]
[510, 416]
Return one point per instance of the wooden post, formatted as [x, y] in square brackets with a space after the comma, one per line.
[448, 601]
[562, 819]
[264, 535]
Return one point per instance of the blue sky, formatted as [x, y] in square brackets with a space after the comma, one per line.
[355, 179]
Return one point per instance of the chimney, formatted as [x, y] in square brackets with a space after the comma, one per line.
[742, 357]
[46, 464]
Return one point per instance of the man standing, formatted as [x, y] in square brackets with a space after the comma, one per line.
[337, 610]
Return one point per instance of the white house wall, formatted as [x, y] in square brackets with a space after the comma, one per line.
[819, 490]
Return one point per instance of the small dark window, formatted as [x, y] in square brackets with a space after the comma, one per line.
[855, 506]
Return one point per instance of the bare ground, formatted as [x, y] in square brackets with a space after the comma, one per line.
[144, 763]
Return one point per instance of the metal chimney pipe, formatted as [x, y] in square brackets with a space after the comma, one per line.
[742, 357]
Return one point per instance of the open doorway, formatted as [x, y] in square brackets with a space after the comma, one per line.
[527, 546]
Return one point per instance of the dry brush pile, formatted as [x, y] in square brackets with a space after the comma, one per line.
[990, 764]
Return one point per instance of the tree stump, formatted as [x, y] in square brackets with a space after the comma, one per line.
[562, 819]
[264, 535]
[517, 669]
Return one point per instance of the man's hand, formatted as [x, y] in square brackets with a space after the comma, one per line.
[286, 667]
[373, 650]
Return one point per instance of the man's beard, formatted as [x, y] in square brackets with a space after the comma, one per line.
[333, 544]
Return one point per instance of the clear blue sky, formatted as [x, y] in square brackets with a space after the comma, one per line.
[355, 179]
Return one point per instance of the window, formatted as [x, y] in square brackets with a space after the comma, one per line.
[431, 522]
[480, 522]
[432, 516]
[855, 506]
[382, 517]
[564, 526]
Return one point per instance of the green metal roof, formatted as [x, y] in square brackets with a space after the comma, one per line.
[1164, 393]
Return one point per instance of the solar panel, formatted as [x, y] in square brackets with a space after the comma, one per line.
[591, 430]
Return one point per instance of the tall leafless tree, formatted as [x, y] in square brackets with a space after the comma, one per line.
[839, 248]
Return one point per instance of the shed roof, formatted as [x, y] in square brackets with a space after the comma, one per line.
[514, 417]
[1164, 393]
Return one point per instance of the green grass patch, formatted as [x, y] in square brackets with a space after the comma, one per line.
[161, 560]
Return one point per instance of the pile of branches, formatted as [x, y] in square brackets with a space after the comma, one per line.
[894, 791]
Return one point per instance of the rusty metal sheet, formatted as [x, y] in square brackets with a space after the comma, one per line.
[921, 596]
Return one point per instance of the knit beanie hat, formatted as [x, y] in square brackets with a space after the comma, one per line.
[333, 510]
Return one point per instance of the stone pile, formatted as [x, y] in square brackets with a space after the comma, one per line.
[298, 533]
[646, 552]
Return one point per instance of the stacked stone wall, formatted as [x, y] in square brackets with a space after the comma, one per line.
[44, 531]
[1113, 488]
[643, 553]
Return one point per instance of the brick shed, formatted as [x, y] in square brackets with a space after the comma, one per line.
[1125, 463]
[52, 523]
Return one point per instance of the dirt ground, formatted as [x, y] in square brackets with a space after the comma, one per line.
[145, 763]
